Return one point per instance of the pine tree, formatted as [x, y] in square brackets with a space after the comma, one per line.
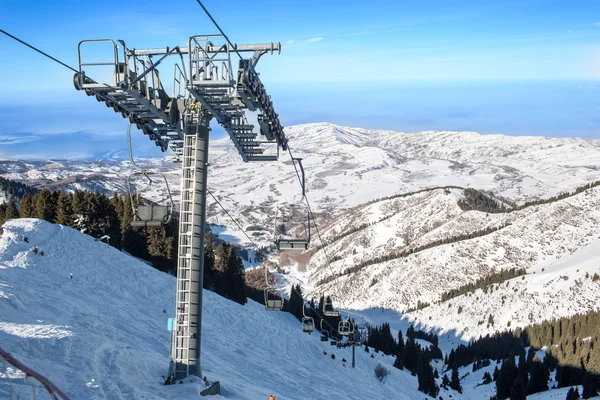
[538, 381]
[573, 394]
[25, 206]
[209, 262]
[2, 213]
[44, 207]
[296, 303]
[518, 390]
[590, 388]
[11, 210]
[506, 378]
[455, 381]
[410, 357]
[63, 210]
[234, 283]
[425, 377]
[445, 381]
[487, 379]
[398, 362]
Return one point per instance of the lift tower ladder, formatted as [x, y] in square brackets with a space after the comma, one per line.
[191, 244]
[205, 86]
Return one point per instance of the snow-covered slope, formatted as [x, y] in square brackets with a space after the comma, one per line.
[102, 335]
[554, 288]
[349, 166]
[551, 241]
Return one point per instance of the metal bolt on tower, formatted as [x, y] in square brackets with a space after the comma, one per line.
[204, 87]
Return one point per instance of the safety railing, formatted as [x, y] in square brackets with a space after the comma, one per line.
[179, 82]
[206, 60]
[114, 63]
[17, 381]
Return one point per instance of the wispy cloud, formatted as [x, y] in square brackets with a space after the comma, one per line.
[12, 139]
[596, 23]
[354, 34]
[311, 40]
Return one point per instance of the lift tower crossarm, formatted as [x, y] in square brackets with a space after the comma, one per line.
[242, 48]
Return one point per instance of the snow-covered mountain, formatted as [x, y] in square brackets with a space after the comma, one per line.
[347, 167]
[556, 243]
[103, 334]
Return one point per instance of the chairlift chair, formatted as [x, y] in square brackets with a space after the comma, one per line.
[308, 323]
[328, 310]
[147, 214]
[299, 238]
[273, 296]
[345, 327]
[150, 214]
[296, 241]
[273, 299]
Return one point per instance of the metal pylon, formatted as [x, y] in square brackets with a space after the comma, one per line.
[190, 260]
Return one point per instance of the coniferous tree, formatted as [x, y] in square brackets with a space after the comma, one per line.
[45, 207]
[425, 377]
[445, 381]
[455, 381]
[63, 209]
[12, 211]
[234, 277]
[517, 391]
[159, 243]
[410, 357]
[2, 213]
[26, 208]
[209, 262]
[487, 379]
[590, 386]
[506, 378]
[538, 376]
[296, 303]
[573, 394]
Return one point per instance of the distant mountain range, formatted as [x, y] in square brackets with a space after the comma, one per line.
[348, 167]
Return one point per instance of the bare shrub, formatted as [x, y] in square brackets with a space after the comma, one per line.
[381, 372]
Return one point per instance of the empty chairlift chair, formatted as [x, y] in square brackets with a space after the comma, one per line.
[273, 296]
[328, 310]
[292, 230]
[292, 227]
[150, 214]
[345, 327]
[308, 323]
[273, 299]
[324, 331]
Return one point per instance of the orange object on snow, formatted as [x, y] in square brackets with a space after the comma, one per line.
[272, 397]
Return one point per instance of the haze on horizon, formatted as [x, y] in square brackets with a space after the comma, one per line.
[509, 67]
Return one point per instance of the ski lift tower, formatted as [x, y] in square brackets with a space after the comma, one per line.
[205, 86]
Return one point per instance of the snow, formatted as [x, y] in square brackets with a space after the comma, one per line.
[102, 335]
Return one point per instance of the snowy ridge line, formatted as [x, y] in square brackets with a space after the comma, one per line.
[52, 390]
[368, 224]
[396, 254]
[400, 195]
[523, 206]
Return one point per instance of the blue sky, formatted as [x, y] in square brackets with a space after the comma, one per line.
[513, 67]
